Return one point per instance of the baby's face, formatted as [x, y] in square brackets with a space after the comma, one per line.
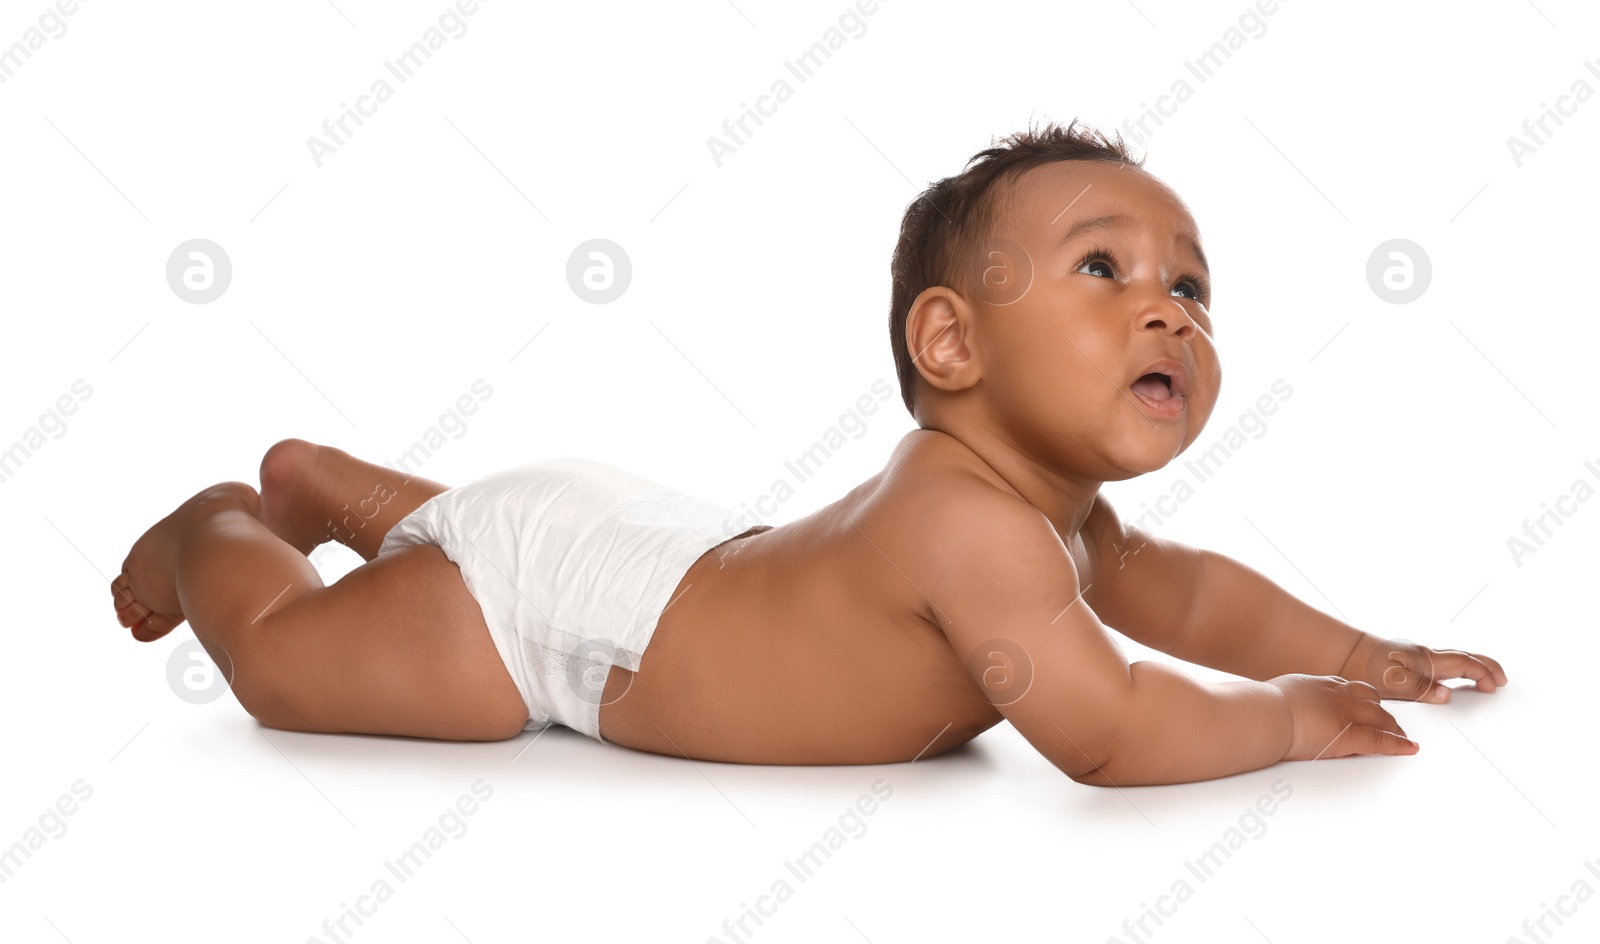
[1075, 308]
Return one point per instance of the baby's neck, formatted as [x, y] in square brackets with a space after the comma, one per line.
[1064, 498]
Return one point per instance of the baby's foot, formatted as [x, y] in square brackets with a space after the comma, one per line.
[294, 493]
[313, 494]
[146, 592]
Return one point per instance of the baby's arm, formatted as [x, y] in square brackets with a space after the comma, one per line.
[1002, 586]
[1209, 609]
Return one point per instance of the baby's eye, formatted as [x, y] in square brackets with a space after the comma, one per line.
[1100, 258]
[1097, 263]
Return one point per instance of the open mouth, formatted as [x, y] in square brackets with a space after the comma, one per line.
[1163, 388]
[1154, 386]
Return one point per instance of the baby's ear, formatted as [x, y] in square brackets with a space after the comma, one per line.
[938, 338]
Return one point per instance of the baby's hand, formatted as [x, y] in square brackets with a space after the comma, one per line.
[1335, 718]
[1405, 670]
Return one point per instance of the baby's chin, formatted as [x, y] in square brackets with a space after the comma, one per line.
[1124, 473]
[1150, 453]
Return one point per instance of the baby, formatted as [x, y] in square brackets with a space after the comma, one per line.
[1051, 332]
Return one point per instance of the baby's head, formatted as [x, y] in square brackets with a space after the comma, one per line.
[1033, 291]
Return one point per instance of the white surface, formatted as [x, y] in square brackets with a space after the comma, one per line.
[372, 292]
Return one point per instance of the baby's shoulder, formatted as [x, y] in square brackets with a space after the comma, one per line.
[948, 503]
[930, 466]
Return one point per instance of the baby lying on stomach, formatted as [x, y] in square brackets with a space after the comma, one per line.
[1050, 330]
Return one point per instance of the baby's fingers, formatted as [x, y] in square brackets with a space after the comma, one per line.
[1497, 673]
[1371, 729]
[1443, 664]
[1370, 714]
[1361, 739]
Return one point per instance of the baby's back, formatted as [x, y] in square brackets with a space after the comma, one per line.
[811, 643]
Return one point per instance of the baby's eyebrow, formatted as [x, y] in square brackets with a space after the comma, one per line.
[1114, 220]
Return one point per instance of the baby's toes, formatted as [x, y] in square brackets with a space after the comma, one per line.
[129, 609]
[146, 624]
[153, 627]
[130, 615]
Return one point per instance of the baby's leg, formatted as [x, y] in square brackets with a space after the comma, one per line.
[398, 646]
[312, 494]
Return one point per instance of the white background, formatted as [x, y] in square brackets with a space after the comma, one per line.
[369, 293]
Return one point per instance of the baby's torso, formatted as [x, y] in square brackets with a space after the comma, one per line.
[810, 643]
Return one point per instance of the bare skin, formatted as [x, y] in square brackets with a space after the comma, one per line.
[963, 585]
[398, 646]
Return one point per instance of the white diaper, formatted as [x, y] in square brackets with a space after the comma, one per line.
[572, 562]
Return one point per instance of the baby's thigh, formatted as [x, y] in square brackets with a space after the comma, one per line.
[397, 646]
